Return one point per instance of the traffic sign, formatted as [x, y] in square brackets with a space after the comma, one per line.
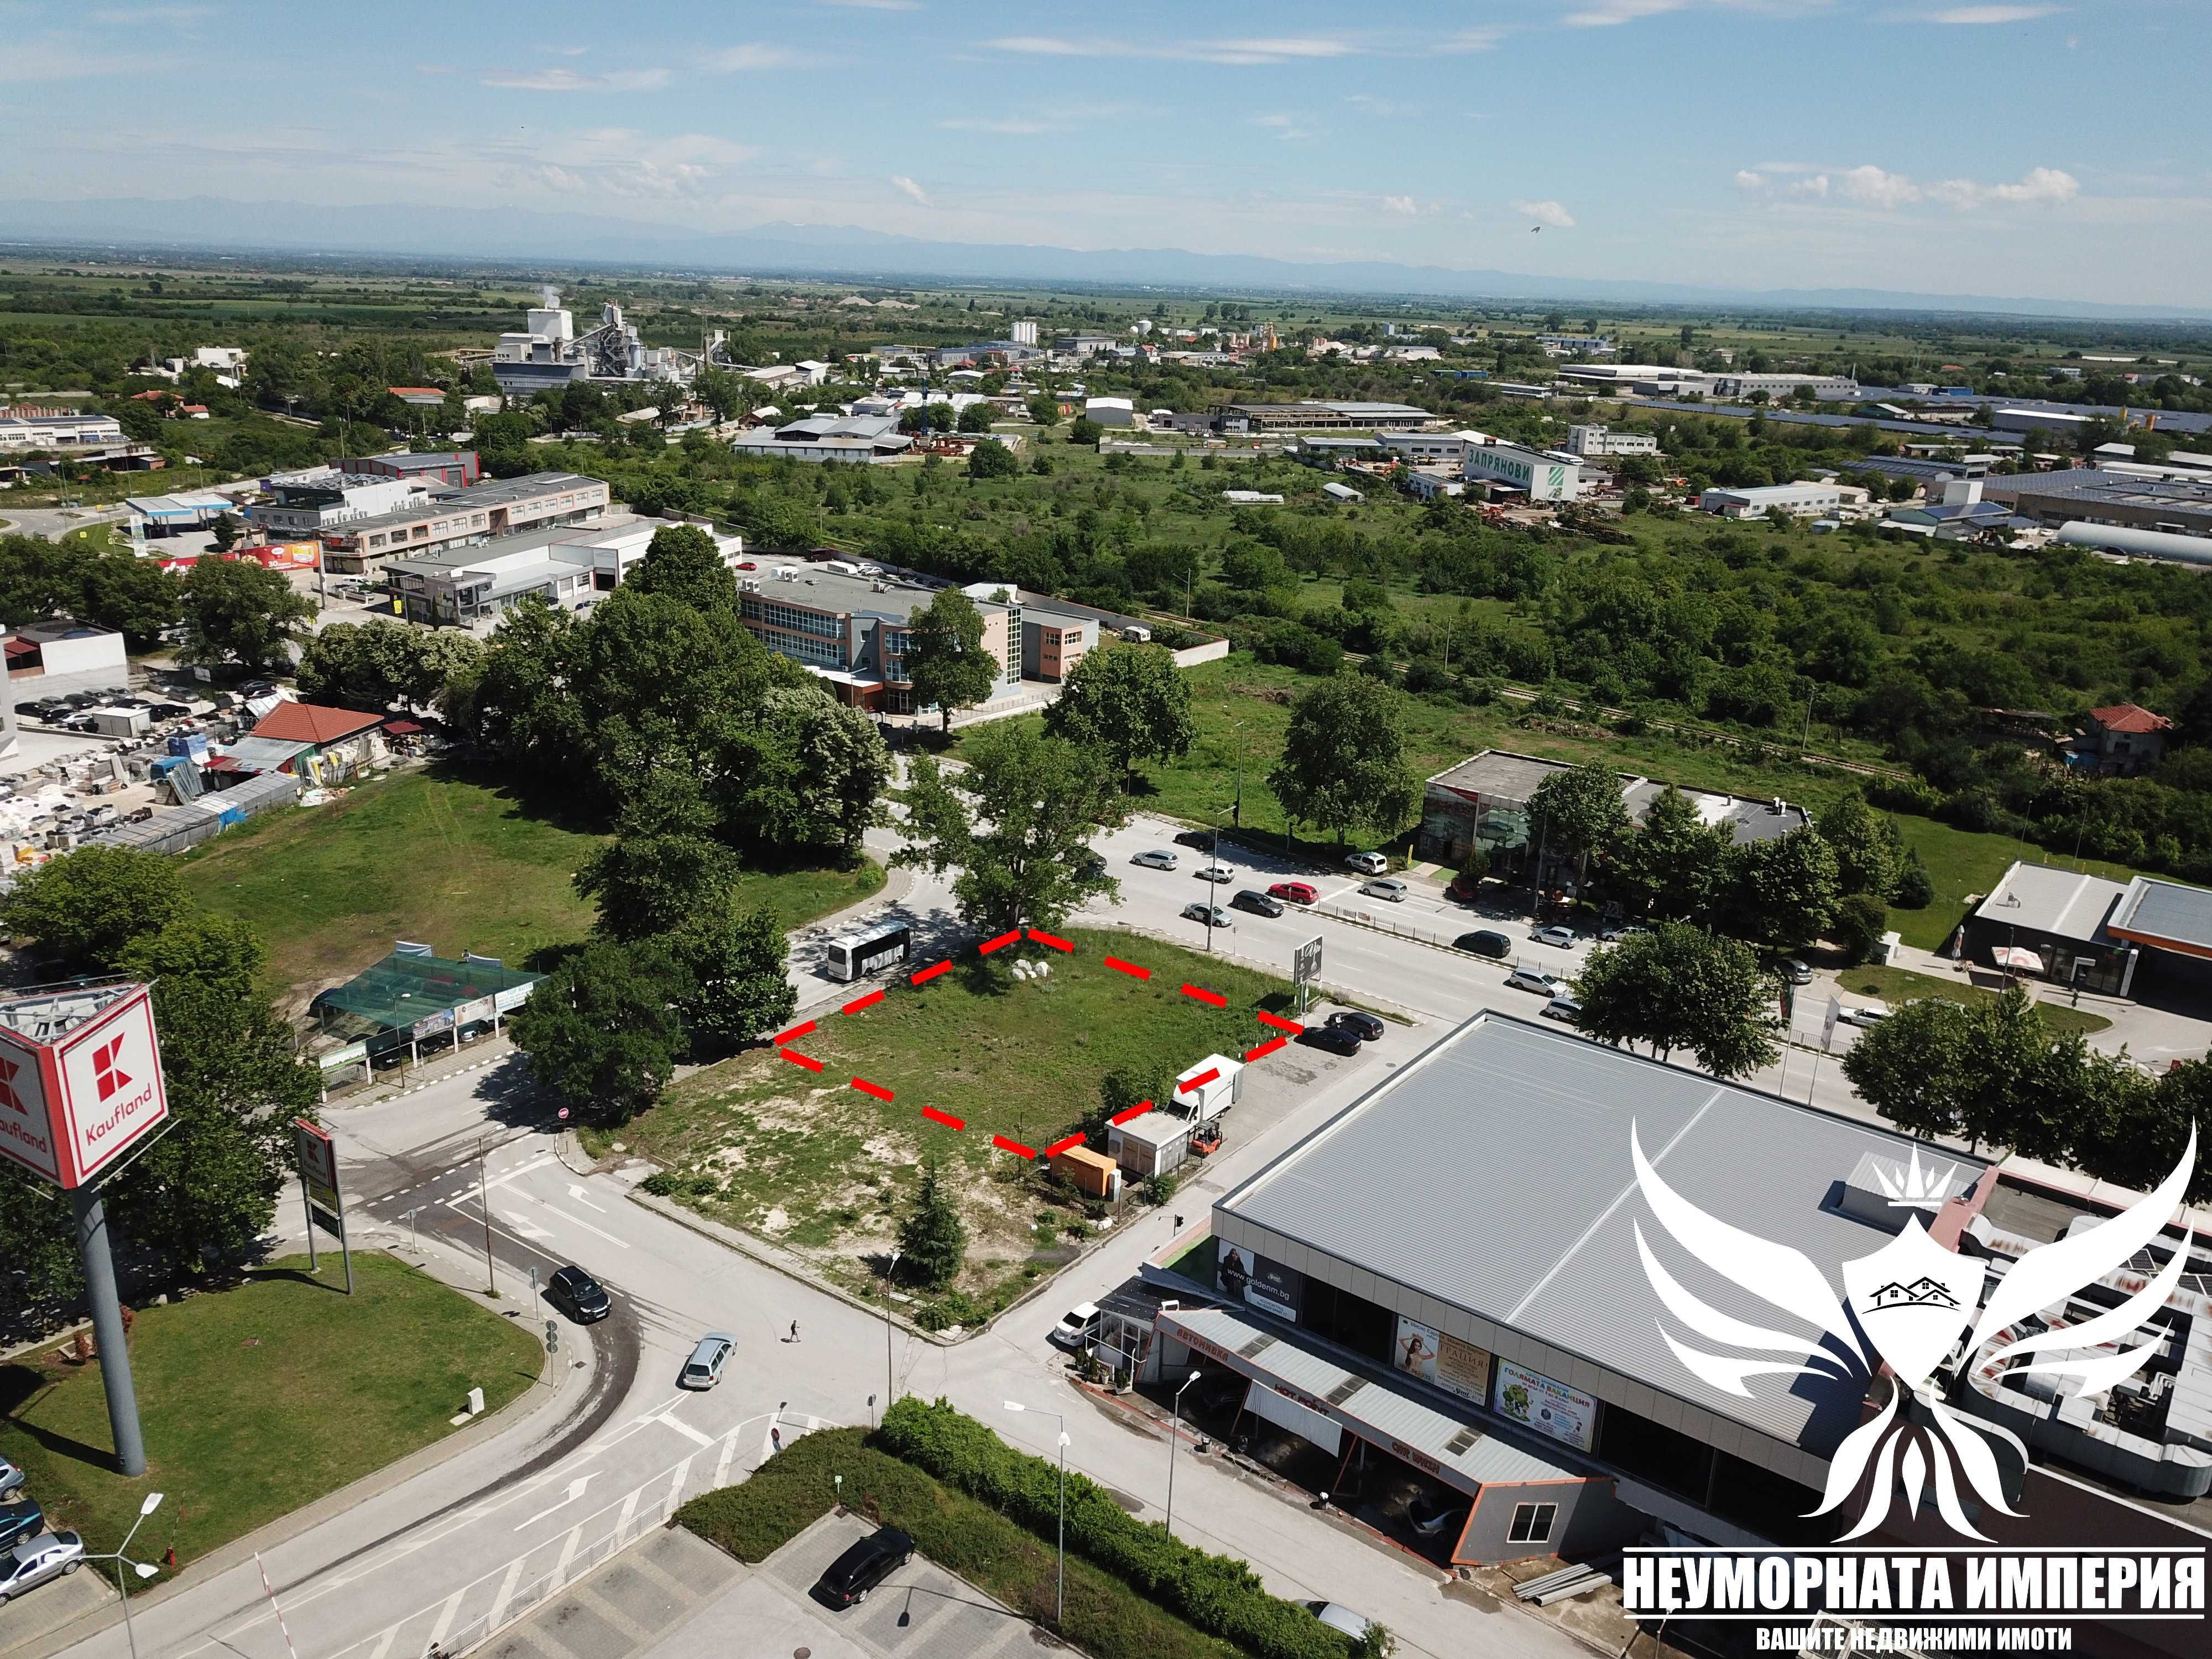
[552, 1336]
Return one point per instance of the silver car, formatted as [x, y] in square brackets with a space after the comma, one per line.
[10, 1476]
[34, 1560]
[1157, 858]
[704, 1368]
[1385, 887]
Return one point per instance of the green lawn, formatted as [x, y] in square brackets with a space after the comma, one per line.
[436, 857]
[1106, 1617]
[1900, 985]
[1966, 863]
[258, 1400]
[760, 1143]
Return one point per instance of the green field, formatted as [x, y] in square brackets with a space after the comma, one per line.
[758, 1143]
[436, 857]
[1901, 985]
[1965, 864]
[257, 1400]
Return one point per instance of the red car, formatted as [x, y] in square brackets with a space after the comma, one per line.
[1296, 892]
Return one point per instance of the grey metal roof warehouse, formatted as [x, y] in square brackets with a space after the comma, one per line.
[2166, 914]
[1488, 1188]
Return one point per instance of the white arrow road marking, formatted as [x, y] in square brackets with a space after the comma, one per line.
[685, 1430]
[498, 1613]
[578, 1221]
[577, 1193]
[523, 1227]
[575, 1490]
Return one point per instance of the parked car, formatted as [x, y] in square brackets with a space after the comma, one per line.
[11, 1477]
[34, 1560]
[1295, 892]
[583, 1295]
[1531, 979]
[1563, 1007]
[704, 1368]
[1259, 903]
[1337, 1616]
[172, 711]
[1216, 873]
[1484, 943]
[1429, 1518]
[1462, 889]
[1211, 915]
[1078, 1327]
[1613, 932]
[1867, 1013]
[1334, 1038]
[1202, 838]
[1368, 864]
[21, 1519]
[31, 711]
[847, 1581]
[1156, 858]
[1365, 1027]
[1385, 887]
[1561, 937]
[1794, 970]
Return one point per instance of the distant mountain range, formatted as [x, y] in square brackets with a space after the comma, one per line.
[847, 252]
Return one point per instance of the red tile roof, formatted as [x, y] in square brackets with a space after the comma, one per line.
[308, 722]
[2127, 717]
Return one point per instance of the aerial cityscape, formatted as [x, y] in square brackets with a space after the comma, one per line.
[874, 832]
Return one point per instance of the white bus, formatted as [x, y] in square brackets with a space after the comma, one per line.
[859, 955]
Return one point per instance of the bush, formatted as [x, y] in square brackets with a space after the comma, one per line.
[1222, 1596]
[1860, 920]
[1915, 888]
[1297, 646]
[662, 1183]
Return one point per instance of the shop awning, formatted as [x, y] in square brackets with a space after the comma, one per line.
[1286, 1412]
[2018, 958]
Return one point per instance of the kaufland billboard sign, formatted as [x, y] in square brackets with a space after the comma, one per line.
[77, 1093]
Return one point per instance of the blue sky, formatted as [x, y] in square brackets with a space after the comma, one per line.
[2052, 150]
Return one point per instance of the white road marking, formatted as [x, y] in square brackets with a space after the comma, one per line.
[578, 1221]
[575, 1490]
[722, 1464]
[384, 1643]
[628, 1509]
[498, 1613]
[676, 1488]
[685, 1430]
[577, 1194]
[446, 1617]
[560, 1577]
[527, 1229]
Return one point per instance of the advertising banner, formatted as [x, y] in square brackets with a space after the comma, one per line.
[27, 1132]
[319, 1165]
[441, 1021]
[468, 1013]
[1549, 1407]
[1458, 1367]
[1254, 1279]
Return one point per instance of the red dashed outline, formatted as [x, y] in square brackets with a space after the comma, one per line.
[922, 977]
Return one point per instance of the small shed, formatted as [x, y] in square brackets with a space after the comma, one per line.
[1091, 1173]
[1151, 1145]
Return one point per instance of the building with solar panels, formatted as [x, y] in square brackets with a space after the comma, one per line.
[1460, 1280]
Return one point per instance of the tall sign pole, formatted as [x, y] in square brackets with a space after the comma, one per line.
[81, 1087]
[318, 1190]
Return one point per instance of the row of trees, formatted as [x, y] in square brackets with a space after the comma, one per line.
[233, 610]
[199, 1197]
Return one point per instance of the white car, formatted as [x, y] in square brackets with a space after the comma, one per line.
[10, 1476]
[1337, 1616]
[1560, 938]
[1368, 864]
[704, 1368]
[1156, 858]
[1385, 887]
[1216, 873]
[34, 1560]
[1563, 1007]
[1867, 1013]
[1078, 1327]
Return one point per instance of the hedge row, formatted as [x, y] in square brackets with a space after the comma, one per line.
[1216, 1594]
[1106, 1618]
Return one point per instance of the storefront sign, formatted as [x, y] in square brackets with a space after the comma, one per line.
[1250, 1278]
[1549, 1407]
[1458, 1367]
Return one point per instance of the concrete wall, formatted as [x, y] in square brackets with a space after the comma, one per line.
[1212, 651]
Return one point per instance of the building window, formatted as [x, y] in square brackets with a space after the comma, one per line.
[1532, 1523]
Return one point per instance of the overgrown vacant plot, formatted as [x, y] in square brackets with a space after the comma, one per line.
[764, 1145]
[434, 856]
[257, 1400]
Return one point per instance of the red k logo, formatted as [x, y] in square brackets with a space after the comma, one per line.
[8, 1095]
[110, 1076]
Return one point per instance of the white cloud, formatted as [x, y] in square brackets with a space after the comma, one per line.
[1876, 188]
[1284, 127]
[1266, 50]
[1400, 205]
[1607, 14]
[1013, 126]
[730, 59]
[1985, 15]
[875, 5]
[1873, 187]
[1547, 213]
[561, 80]
[2041, 185]
[1747, 179]
[907, 188]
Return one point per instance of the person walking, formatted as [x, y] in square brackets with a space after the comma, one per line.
[794, 1330]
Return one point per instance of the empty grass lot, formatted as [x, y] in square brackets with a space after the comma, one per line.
[762, 1145]
[258, 1400]
[1897, 986]
[434, 856]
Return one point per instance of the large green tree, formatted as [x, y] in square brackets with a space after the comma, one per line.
[237, 612]
[87, 907]
[1870, 855]
[1991, 1072]
[1015, 824]
[1578, 814]
[1671, 867]
[945, 658]
[1784, 892]
[602, 1031]
[812, 773]
[373, 665]
[1679, 986]
[933, 1239]
[683, 562]
[1128, 701]
[736, 959]
[1345, 764]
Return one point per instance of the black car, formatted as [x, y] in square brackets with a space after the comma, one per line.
[583, 1295]
[1365, 1027]
[1257, 902]
[847, 1581]
[1484, 944]
[19, 1521]
[31, 711]
[1334, 1038]
[171, 711]
[1200, 838]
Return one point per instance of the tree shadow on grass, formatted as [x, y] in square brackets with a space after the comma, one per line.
[298, 1275]
[22, 1385]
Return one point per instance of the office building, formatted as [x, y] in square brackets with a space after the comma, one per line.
[850, 626]
[1801, 500]
[1576, 345]
[456, 468]
[1052, 642]
[1425, 448]
[473, 585]
[443, 517]
[1590, 441]
[307, 505]
[59, 432]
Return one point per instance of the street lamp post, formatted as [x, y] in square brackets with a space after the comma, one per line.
[1175, 1434]
[1060, 1604]
[143, 1569]
[890, 1382]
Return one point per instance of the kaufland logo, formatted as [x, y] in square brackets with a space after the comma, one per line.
[105, 1072]
[9, 1097]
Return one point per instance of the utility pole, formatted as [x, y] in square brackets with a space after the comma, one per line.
[483, 1198]
[891, 1383]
